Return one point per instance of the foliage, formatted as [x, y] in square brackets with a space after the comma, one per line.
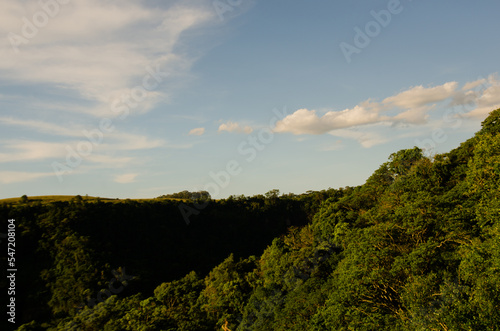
[186, 195]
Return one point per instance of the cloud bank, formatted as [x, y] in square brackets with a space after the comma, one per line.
[409, 107]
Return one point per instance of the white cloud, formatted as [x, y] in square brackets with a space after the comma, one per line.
[197, 132]
[114, 140]
[98, 49]
[9, 177]
[105, 157]
[410, 107]
[416, 115]
[230, 126]
[487, 99]
[114, 152]
[44, 127]
[338, 124]
[125, 178]
[304, 121]
[100, 161]
[366, 138]
[130, 142]
[419, 96]
[90, 57]
[15, 151]
[472, 85]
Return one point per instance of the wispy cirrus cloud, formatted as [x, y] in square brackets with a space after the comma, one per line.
[90, 61]
[24, 151]
[98, 162]
[72, 52]
[115, 140]
[43, 127]
[36, 151]
[10, 177]
[365, 138]
[125, 178]
[197, 132]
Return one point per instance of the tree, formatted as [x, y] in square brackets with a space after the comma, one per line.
[273, 194]
[227, 289]
[401, 162]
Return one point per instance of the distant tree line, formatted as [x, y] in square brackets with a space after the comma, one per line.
[187, 195]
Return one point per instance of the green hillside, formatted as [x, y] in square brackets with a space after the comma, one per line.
[417, 247]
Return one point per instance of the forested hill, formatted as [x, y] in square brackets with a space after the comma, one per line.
[75, 252]
[417, 247]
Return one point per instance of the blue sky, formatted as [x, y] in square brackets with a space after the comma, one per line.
[135, 99]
